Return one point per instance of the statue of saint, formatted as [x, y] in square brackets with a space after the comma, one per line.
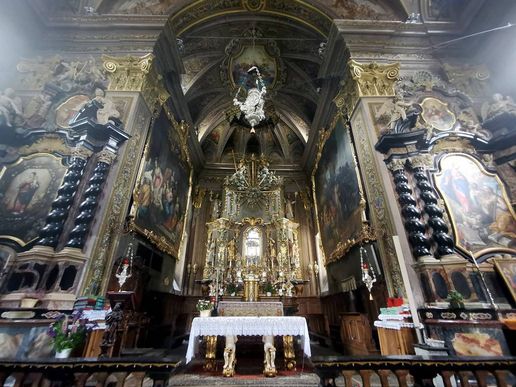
[229, 356]
[270, 356]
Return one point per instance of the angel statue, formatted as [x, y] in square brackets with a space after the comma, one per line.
[252, 107]
[397, 115]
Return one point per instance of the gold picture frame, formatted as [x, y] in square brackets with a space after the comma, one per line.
[436, 114]
[506, 267]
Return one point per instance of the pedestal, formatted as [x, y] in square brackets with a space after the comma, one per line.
[251, 289]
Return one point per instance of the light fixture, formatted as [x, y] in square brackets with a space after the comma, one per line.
[125, 268]
[252, 107]
[368, 276]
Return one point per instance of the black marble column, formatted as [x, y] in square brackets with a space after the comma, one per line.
[51, 232]
[89, 202]
[440, 230]
[411, 214]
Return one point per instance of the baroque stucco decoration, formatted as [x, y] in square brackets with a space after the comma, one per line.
[366, 80]
[132, 73]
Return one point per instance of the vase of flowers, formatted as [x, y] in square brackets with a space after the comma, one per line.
[268, 289]
[204, 307]
[68, 333]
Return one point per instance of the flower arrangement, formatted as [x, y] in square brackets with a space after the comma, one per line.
[69, 334]
[204, 305]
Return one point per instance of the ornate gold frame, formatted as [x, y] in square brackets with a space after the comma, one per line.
[160, 241]
[499, 263]
[367, 233]
[450, 214]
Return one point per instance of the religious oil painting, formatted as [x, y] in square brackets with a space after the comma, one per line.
[247, 58]
[337, 190]
[437, 115]
[476, 341]
[483, 219]
[25, 341]
[27, 189]
[506, 267]
[161, 195]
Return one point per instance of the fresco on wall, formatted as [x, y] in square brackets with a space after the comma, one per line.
[337, 192]
[160, 200]
[482, 217]
[27, 190]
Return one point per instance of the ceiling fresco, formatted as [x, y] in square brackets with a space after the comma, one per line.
[220, 40]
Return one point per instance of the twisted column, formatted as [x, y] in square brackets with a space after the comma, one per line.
[412, 216]
[89, 202]
[51, 232]
[440, 230]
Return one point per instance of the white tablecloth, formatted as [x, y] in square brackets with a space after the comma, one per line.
[248, 326]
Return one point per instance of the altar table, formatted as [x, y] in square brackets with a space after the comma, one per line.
[248, 326]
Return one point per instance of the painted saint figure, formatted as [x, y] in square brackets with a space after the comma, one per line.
[26, 191]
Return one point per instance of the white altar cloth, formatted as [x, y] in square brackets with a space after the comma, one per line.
[248, 326]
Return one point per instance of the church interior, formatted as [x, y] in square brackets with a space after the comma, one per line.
[257, 192]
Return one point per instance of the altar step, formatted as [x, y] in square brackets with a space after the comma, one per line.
[195, 380]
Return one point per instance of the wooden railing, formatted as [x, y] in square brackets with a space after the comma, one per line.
[357, 371]
[416, 371]
[80, 372]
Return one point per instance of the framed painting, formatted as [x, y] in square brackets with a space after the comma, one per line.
[436, 114]
[482, 217]
[27, 189]
[506, 267]
[159, 202]
[338, 192]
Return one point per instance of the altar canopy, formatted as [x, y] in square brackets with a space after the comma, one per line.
[248, 326]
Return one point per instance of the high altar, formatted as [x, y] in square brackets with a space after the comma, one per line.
[253, 238]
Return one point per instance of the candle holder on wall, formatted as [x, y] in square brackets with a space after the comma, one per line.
[368, 275]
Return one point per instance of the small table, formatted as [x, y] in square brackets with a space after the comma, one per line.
[266, 326]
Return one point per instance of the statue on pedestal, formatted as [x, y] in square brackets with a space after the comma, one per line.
[229, 356]
[270, 356]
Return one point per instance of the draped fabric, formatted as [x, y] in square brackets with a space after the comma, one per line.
[248, 326]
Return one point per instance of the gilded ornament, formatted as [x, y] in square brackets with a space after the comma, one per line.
[200, 193]
[49, 144]
[453, 144]
[470, 79]
[396, 164]
[374, 79]
[421, 161]
[133, 73]
[106, 156]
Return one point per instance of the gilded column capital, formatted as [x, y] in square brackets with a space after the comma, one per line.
[374, 80]
[106, 156]
[421, 161]
[366, 80]
[136, 73]
[80, 152]
[396, 164]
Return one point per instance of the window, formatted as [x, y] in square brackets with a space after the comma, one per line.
[252, 246]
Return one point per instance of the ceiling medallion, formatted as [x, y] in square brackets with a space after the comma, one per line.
[252, 107]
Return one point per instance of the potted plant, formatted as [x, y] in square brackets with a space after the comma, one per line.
[455, 299]
[231, 289]
[268, 289]
[68, 334]
[204, 307]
